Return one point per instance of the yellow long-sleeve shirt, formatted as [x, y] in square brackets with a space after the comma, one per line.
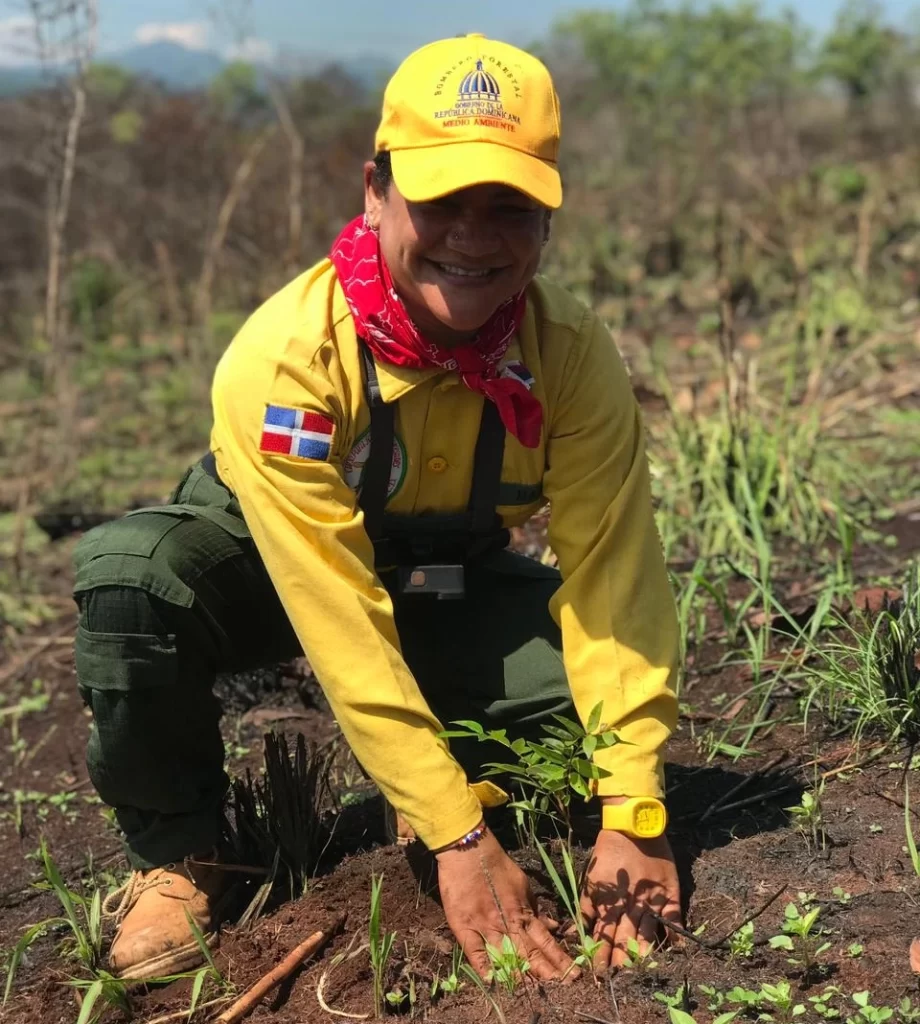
[614, 607]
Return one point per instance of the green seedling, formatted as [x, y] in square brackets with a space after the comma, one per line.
[807, 816]
[779, 998]
[909, 832]
[855, 950]
[451, 983]
[380, 944]
[907, 1012]
[841, 894]
[636, 960]
[821, 1003]
[481, 985]
[681, 997]
[549, 773]
[801, 937]
[745, 996]
[677, 1016]
[741, 943]
[867, 1013]
[568, 892]
[508, 967]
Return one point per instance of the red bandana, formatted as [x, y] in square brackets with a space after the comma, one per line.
[382, 321]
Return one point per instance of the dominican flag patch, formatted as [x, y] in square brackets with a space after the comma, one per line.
[304, 435]
[518, 372]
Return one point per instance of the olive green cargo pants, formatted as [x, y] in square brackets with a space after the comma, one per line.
[170, 596]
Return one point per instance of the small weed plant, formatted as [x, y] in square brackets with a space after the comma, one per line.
[81, 917]
[507, 967]
[380, 944]
[869, 677]
[741, 943]
[450, 983]
[807, 817]
[801, 937]
[638, 961]
[866, 1013]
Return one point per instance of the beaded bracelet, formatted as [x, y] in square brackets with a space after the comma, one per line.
[467, 840]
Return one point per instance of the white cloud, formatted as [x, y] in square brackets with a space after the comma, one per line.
[17, 47]
[193, 35]
[257, 51]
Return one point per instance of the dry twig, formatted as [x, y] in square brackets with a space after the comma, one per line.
[718, 943]
[251, 997]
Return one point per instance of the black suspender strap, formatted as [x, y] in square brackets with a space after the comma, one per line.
[487, 470]
[481, 518]
[379, 464]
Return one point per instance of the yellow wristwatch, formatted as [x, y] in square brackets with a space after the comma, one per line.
[642, 817]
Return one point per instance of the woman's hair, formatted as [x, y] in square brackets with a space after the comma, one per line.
[383, 172]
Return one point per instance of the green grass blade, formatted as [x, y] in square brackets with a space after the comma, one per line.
[89, 1001]
[31, 934]
[203, 945]
[200, 978]
[909, 832]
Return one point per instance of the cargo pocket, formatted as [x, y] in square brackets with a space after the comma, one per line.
[125, 661]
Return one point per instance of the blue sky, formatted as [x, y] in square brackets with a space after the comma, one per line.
[391, 28]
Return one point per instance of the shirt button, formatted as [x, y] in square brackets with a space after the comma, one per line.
[437, 464]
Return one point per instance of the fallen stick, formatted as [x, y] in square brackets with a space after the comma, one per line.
[251, 997]
[717, 943]
[743, 784]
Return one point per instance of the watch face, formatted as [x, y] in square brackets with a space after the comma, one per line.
[649, 820]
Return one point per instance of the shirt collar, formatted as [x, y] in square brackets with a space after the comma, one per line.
[396, 381]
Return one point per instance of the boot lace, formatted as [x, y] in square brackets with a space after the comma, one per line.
[118, 902]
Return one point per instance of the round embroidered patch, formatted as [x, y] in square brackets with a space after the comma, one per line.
[356, 460]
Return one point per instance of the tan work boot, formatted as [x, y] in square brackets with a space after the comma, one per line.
[153, 937]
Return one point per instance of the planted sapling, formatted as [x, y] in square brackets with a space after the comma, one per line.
[549, 773]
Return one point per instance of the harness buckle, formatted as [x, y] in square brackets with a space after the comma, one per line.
[446, 582]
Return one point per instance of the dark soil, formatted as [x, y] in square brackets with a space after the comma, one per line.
[731, 863]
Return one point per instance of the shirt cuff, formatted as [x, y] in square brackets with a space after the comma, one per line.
[634, 772]
[441, 828]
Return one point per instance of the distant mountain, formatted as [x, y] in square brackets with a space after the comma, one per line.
[177, 68]
[174, 66]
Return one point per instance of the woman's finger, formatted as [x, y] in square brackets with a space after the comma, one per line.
[473, 944]
[671, 913]
[647, 933]
[627, 929]
[605, 930]
[548, 960]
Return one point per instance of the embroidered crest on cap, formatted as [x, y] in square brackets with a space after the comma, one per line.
[479, 102]
[296, 432]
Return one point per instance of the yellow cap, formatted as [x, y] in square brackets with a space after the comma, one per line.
[470, 111]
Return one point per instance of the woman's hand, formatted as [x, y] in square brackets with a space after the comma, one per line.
[626, 878]
[487, 896]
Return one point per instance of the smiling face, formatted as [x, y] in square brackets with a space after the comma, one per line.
[455, 260]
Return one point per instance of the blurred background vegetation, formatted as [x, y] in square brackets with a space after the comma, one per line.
[742, 207]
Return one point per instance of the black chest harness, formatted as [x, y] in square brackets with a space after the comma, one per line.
[429, 551]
